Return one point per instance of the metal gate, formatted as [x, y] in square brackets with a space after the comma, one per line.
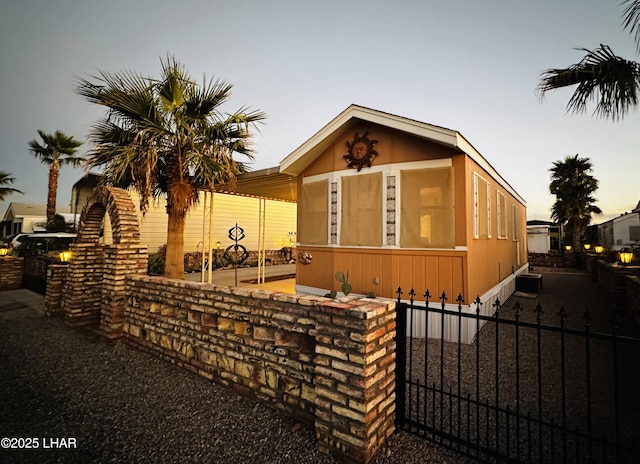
[524, 389]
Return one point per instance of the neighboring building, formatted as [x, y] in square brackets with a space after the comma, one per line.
[400, 203]
[263, 193]
[542, 236]
[621, 231]
[28, 217]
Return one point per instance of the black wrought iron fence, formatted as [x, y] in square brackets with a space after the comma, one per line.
[530, 387]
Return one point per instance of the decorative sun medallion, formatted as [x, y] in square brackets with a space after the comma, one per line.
[360, 152]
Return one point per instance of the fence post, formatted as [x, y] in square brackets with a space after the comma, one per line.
[355, 377]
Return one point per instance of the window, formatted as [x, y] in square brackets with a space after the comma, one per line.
[501, 203]
[361, 210]
[482, 208]
[427, 208]
[313, 213]
[514, 221]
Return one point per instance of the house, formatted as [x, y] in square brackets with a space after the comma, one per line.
[621, 231]
[396, 202]
[28, 217]
[542, 236]
[262, 202]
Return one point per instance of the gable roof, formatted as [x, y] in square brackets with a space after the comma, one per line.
[306, 153]
[16, 210]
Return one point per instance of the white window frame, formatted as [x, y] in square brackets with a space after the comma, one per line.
[514, 218]
[476, 217]
[502, 214]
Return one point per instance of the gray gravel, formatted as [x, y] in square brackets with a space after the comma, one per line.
[124, 405]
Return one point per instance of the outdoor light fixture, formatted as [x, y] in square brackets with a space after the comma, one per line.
[626, 255]
[65, 256]
[567, 247]
[587, 246]
[218, 245]
[598, 249]
[4, 251]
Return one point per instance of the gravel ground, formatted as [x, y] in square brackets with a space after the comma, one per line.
[123, 405]
[575, 292]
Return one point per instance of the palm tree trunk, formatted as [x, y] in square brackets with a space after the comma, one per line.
[52, 192]
[174, 261]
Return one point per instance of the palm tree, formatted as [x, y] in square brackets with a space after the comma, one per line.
[573, 186]
[5, 179]
[601, 75]
[57, 150]
[167, 138]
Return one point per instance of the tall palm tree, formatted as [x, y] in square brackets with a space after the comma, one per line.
[612, 81]
[573, 186]
[5, 179]
[167, 138]
[57, 150]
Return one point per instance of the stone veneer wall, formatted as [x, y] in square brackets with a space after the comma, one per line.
[327, 363]
[10, 272]
[632, 295]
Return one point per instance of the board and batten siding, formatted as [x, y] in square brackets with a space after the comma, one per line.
[280, 219]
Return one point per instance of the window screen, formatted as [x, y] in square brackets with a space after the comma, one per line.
[361, 211]
[427, 208]
[313, 213]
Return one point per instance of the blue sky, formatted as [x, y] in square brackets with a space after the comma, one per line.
[471, 66]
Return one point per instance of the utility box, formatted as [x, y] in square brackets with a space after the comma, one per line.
[529, 283]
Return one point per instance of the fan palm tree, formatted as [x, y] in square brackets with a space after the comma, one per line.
[612, 81]
[167, 138]
[57, 150]
[573, 186]
[5, 179]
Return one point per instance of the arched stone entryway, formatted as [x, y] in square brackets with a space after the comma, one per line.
[94, 291]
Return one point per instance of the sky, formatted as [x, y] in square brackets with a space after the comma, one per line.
[470, 66]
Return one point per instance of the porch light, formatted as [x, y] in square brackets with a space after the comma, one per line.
[65, 256]
[587, 246]
[567, 247]
[626, 255]
[598, 249]
[218, 245]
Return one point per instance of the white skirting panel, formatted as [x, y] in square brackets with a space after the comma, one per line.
[438, 327]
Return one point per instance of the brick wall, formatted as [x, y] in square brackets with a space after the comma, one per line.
[553, 260]
[56, 274]
[329, 364]
[10, 272]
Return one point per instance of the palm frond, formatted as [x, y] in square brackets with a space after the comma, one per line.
[631, 19]
[602, 76]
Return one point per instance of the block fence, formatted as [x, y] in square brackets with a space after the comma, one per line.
[11, 272]
[330, 364]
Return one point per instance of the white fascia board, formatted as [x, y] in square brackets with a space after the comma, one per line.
[302, 156]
